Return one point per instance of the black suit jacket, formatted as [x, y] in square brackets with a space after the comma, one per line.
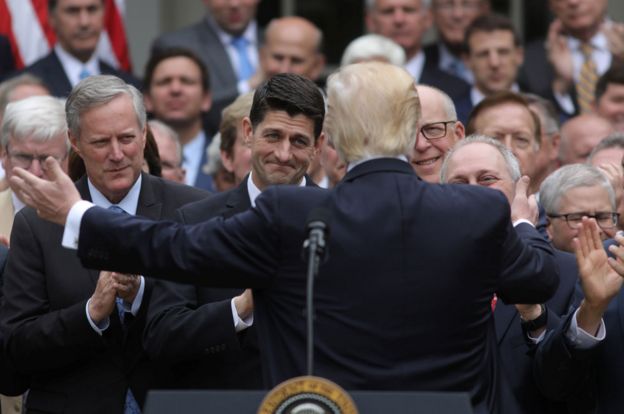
[396, 304]
[193, 324]
[50, 70]
[72, 368]
[536, 76]
[517, 355]
[452, 85]
[7, 63]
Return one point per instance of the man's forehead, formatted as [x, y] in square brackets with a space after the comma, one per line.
[475, 157]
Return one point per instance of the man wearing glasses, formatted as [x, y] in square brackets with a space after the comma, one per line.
[573, 192]
[33, 129]
[438, 130]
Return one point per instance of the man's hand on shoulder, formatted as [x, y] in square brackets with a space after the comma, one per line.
[52, 197]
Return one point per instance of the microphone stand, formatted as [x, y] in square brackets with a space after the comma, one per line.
[315, 244]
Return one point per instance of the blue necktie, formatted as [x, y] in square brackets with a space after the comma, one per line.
[245, 68]
[131, 406]
[84, 73]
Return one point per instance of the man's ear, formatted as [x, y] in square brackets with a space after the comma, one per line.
[319, 143]
[247, 131]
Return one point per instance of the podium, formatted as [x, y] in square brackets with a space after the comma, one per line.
[247, 402]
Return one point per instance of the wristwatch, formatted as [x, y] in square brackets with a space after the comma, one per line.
[537, 323]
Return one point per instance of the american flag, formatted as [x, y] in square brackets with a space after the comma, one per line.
[25, 23]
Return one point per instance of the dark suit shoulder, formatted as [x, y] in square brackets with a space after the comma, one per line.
[452, 85]
[106, 69]
[180, 193]
[432, 54]
[181, 36]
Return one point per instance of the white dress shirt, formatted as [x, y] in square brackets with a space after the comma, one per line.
[73, 67]
[415, 65]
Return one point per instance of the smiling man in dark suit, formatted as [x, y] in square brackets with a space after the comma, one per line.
[77, 25]
[77, 332]
[393, 311]
[185, 320]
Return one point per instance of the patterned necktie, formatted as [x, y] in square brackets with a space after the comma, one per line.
[586, 84]
[245, 68]
[130, 405]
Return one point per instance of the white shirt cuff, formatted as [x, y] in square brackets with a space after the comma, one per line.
[138, 299]
[520, 221]
[240, 324]
[72, 225]
[565, 102]
[581, 339]
[97, 327]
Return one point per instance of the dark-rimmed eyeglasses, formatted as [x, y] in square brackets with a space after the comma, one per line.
[604, 219]
[24, 160]
[435, 130]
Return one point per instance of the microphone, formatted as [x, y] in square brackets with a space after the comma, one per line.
[317, 229]
[315, 246]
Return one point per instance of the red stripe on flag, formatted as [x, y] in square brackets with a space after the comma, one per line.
[41, 9]
[6, 29]
[114, 25]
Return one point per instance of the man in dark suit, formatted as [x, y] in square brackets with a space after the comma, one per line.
[406, 22]
[227, 41]
[77, 332]
[77, 25]
[7, 63]
[552, 66]
[393, 312]
[480, 160]
[177, 92]
[580, 361]
[185, 320]
[451, 21]
[494, 55]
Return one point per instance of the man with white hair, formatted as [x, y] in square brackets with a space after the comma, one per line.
[169, 150]
[373, 47]
[32, 129]
[438, 130]
[399, 331]
[483, 161]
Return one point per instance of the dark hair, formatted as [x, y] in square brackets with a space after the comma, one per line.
[52, 4]
[291, 93]
[615, 74]
[163, 54]
[489, 23]
[500, 98]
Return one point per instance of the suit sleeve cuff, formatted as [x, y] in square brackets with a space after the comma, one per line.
[240, 324]
[581, 339]
[72, 225]
[520, 221]
[97, 327]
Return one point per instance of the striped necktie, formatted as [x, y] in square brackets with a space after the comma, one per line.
[588, 76]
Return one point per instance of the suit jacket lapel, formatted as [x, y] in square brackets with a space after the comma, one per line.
[83, 188]
[149, 205]
[504, 316]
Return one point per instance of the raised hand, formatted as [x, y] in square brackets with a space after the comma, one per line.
[127, 286]
[52, 197]
[102, 302]
[599, 280]
[524, 206]
[560, 57]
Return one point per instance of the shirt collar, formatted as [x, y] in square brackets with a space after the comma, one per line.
[250, 33]
[598, 41]
[354, 164]
[17, 203]
[73, 66]
[129, 203]
[476, 96]
[415, 65]
[254, 191]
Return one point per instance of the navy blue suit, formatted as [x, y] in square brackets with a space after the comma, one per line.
[397, 305]
[517, 355]
[453, 86]
[50, 70]
[193, 325]
[7, 63]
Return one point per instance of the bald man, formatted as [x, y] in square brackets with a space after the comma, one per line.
[438, 131]
[580, 135]
[292, 45]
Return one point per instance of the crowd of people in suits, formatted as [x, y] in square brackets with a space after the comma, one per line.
[428, 286]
